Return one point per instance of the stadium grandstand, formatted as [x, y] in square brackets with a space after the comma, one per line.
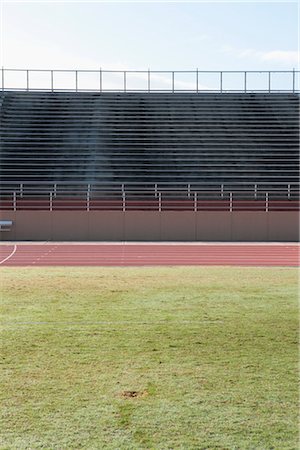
[150, 164]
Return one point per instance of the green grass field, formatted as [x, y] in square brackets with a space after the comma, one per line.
[149, 358]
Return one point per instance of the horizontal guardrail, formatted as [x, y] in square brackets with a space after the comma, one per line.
[102, 80]
[72, 188]
[152, 197]
[230, 203]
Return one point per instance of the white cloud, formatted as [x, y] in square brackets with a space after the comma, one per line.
[281, 56]
[289, 57]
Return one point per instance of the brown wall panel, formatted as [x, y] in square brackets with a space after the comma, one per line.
[69, 225]
[249, 226]
[151, 225]
[106, 225]
[213, 226]
[33, 226]
[178, 226]
[142, 226]
[8, 235]
[283, 226]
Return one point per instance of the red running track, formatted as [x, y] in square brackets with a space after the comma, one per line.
[33, 255]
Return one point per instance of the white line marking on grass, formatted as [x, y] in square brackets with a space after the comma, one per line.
[9, 256]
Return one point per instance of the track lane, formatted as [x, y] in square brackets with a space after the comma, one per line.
[151, 255]
[7, 254]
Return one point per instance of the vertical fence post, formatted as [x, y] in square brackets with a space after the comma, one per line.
[189, 190]
[123, 201]
[88, 197]
[230, 201]
[267, 201]
[159, 201]
[51, 80]
[221, 81]
[155, 189]
[255, 191]
[100, 78]
[222, 190]
[293, 80]
[173, 82]
[50, 201]
[148, 80]
[289, 191]
[269, 82]
[2, 76]
[27, 80]
[245, 81]
[21, 190]
[76, 80]
[15, 201]
[195, 201]
[197, 80]
[124, 80]
[54, 189]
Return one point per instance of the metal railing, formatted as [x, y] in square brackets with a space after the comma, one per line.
[151, 197]
[149, 80]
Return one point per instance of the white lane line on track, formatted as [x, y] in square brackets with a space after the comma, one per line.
[9, 256]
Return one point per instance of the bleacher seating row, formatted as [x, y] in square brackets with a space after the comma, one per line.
[132, 143]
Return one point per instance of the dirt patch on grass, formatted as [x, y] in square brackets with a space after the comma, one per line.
[134, 394]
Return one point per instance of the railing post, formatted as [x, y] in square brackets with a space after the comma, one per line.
[100, 79]
[51, 80]
[159, 201]
[54, 189]
[155, 189]
[148, 80]
[222, 190]
[255, 191]
[76, 80]
[124, 201]
[197, 80]
[221, 81]
[173, 81]
[27, 80]
[15, 201]
[87, 201]
[2, 76]
[88, 197]
[230, 201]
[245, 81]
[195, 201]
[21, 190]
[267, 201]
[293, 80]
[289, 191]
[189, 190]
[50, 202]
[269, 82]
[124, 80]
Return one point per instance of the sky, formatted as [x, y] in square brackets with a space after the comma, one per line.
[139, 35]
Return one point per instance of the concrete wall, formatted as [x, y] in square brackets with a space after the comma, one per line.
[151, 226]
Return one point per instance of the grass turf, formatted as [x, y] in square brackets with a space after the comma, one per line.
[149, 358]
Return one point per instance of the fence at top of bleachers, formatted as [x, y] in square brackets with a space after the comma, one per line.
[149, 80]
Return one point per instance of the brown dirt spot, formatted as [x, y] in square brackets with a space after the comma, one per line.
[134, 394]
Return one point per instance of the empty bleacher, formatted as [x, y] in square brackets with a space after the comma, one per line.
[111, 144]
